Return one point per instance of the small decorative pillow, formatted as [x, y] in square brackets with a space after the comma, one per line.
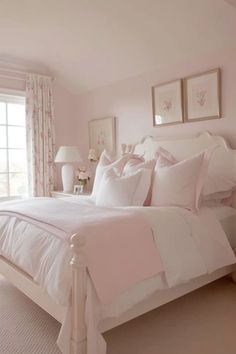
[118, 190]
[165, 158]
[179, 184]
[135, 163]
[105, 163]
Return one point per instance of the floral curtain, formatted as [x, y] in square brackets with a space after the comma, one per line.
[40, 134]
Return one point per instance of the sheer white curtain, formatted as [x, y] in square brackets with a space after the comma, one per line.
[40, 134]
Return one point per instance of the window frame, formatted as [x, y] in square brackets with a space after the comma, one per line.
[14, 97]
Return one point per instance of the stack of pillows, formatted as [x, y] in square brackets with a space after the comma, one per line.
[163, 181]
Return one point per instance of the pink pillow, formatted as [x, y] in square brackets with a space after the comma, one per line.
[179, 184]
[165, 158]
[105, 163]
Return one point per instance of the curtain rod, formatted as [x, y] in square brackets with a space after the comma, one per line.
[21, 72]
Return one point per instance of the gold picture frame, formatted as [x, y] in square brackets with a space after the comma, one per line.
[167, 103]
[102, 135]
[202, 96]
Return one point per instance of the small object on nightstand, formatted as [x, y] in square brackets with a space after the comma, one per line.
[83, 177]
[78, 189]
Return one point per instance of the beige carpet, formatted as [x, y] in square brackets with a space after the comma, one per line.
[203, 322]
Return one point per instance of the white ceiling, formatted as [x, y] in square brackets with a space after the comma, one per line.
[91, 43]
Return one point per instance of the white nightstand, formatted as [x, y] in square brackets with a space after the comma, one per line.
[61, 194]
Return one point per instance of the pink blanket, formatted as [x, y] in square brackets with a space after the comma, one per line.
[120, 248]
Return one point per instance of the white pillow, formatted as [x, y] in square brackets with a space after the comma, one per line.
[180, 184]
[217, 188]
[129, 190]
[134, 164]
[105, 163]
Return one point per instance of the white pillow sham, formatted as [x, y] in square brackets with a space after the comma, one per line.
[115, 190]
[179, 184]
[107, 163]
[215, 189]
[134, 164]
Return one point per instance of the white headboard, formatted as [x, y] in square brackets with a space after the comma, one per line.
[223, 161]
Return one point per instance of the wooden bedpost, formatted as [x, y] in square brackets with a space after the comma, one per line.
[79, 274]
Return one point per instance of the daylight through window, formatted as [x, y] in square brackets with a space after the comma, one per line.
[13, 166]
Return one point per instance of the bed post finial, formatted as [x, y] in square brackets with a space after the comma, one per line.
[78, 295]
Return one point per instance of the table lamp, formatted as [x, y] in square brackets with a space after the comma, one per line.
[68, 155]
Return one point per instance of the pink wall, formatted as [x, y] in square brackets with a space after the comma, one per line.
[130, 101]
[65, 110]
[65, 116]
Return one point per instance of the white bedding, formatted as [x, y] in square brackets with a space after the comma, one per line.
[190, 245]
[227, 218]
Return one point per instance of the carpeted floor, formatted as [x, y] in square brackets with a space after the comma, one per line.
[203, 322]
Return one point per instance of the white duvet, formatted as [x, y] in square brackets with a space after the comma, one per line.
[190, 246]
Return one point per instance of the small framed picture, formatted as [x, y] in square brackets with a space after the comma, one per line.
[202, 96]
[102, 135]
[76, 189]
[167, 103]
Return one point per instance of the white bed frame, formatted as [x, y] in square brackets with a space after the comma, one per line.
[224, 159]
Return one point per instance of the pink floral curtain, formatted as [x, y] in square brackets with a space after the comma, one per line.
[40, 134]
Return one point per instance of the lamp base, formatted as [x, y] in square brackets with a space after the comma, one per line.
[67, 175]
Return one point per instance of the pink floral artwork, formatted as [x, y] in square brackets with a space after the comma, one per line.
[102, 134]
[167, 105]
[101, 138]
[201, 97]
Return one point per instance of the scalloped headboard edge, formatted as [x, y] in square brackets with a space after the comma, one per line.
[223, 160]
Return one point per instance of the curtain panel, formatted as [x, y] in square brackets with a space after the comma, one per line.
[40, 135]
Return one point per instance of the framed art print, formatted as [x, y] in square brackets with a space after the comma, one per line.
[202, 96]
[102, 135]
[167, 103]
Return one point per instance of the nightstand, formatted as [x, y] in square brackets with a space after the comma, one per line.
[61, 194]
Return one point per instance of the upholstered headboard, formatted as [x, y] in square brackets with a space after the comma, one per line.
[223, 161]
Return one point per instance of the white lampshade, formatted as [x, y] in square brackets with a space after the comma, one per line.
[68, 154]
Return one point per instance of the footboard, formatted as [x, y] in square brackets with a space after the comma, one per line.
[79, 293]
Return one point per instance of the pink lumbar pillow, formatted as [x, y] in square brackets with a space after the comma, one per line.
[179, 183]
[106, 162]
[165, 158]
[128, 190]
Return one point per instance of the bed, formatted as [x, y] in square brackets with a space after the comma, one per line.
[224, 159]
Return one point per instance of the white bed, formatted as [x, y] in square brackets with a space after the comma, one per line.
[21, 270]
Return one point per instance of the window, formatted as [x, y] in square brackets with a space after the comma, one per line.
[13, 163]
